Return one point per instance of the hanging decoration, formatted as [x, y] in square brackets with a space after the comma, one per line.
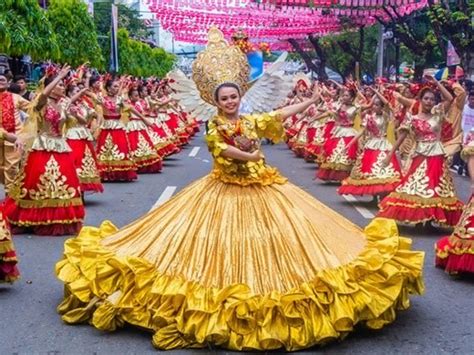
[271, 21]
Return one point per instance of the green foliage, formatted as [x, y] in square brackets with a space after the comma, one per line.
[139, 59]
[25, 29]
[343, 61]
[75, 31]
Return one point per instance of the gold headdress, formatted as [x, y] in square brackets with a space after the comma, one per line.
[219, 63]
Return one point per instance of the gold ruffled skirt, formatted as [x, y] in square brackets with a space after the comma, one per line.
[244, 268]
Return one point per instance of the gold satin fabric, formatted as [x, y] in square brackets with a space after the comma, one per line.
[271, 238]
[243, 268]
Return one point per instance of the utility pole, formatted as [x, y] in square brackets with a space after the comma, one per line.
[114, 61]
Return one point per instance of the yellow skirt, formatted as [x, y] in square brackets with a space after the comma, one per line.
[244, 268]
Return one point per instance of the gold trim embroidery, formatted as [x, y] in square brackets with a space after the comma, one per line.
[52, 184]
[88, 169]
[110, 151]
[417, 183]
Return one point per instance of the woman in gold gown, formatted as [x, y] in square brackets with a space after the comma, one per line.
[241, 258]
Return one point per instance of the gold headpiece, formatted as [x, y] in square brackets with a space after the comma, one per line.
[219, 63]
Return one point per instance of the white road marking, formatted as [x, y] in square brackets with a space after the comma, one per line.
[194, 151]
[362, 210]
[165, 196]
[206, 161]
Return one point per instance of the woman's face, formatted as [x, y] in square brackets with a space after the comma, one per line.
[59, 89]
[428, 101]
[73, 91]
[228, 100]
[134, 96]
[114, 88]
[378, 106]
[346, 97]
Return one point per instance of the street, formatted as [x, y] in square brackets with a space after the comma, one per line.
[439, 322]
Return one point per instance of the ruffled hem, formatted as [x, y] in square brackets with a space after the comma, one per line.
[452, 258]
[8, 260]
[52, 229]
[108, 291]
[152, 168]
[332, 175]
[92, 187]
[447, 214]
[54, 220]
[119, 175]
[371, 190]
[167, 150]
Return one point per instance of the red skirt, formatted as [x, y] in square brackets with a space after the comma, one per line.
[300, 141]
[370, 176]
[113, 154]
[162, 141]
[8, 261]
[455, 253]
[338, 160]
[143, 152]
[85, 162]
[426, 193]
[46, 195]
[314, 149]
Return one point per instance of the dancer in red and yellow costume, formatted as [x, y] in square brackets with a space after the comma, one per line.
[253, 262]
[142, 150]
[8, 260]
[46, 195]
[455, 253]
[370, 174]
[113, 151]
[162, 140]
[169, 115]
[80, 139]
[339, 157]
[426, 192]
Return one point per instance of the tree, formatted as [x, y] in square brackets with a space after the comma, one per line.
[25, 29]
[451, 21]
[416, 34]
[75, 32]
[139, 59]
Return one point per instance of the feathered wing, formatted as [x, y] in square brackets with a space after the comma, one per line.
[189, 98]
[268, 92]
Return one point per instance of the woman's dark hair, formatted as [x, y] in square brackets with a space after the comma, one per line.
[131, 90]
[94, 79]
[225, 85]
[351, 92]
[49, 80]
[70, 89]
[14, 88]
[109, 83]
[426, 90]
[143, 87]
[17, 78]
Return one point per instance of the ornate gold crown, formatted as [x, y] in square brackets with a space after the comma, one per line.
[219, 63]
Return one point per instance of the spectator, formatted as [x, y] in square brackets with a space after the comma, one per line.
[20, 80]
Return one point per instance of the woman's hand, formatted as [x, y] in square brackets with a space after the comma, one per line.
[256, 156]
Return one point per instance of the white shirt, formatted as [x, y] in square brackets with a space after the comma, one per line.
[467, 121]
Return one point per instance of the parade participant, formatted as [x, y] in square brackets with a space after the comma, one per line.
[370, 175]
[426, 192]
[8, 260]
[170, 116]
[11, 107]
[451, 130]
[338, 157]
[241, 258]
[162, 140]
[80, 139]
[455, 253]
[46, 196]
[142, 150]
[113, 152]
[20, 80]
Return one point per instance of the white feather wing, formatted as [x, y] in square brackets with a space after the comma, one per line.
[268, 92]
[188, 96]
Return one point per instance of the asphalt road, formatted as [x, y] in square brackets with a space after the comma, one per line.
[440, 322]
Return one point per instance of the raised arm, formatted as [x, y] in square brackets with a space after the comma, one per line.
[300, 107]
[50, 87]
